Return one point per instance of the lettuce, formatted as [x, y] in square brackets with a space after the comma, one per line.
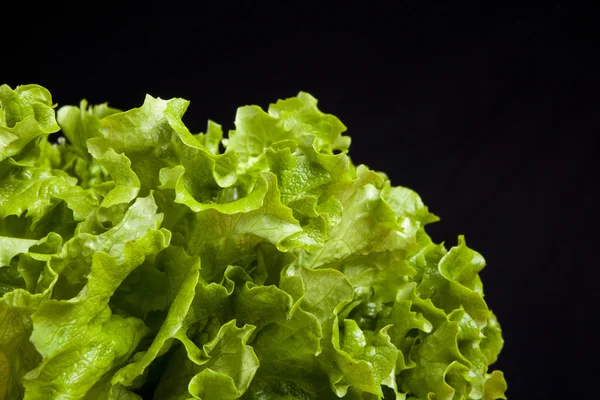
[140, 260]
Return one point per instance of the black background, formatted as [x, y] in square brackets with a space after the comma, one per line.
[490, 114]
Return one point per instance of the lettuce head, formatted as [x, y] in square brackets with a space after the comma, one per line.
[139, 260]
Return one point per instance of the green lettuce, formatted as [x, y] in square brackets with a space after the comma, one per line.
[139, 260]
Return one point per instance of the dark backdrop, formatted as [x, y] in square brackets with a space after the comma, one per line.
[491, 114]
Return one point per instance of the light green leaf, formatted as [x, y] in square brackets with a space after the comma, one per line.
[231, 366]
[495, 386]
[17, 354]
[260, 218]
[92, 340]
[401, 321]
[181, 272]
[255, 305]
[364, 362]
[22, 272]
[322, 292]
[439, 269]
[435, 357]
[368, 224]
[212, 138]
[144, 135]
[493, 342]
[82, 123]
[255, 131]
[31, 190]
[27, 114]
[126, 183]
[10, 247]
[225, 373]
[76, 256]
[301, 116]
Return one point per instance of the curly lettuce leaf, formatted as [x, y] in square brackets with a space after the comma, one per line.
[225, 371]
[93, 340]
[27, 116]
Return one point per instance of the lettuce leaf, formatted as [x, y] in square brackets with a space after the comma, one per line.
[139, 260]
